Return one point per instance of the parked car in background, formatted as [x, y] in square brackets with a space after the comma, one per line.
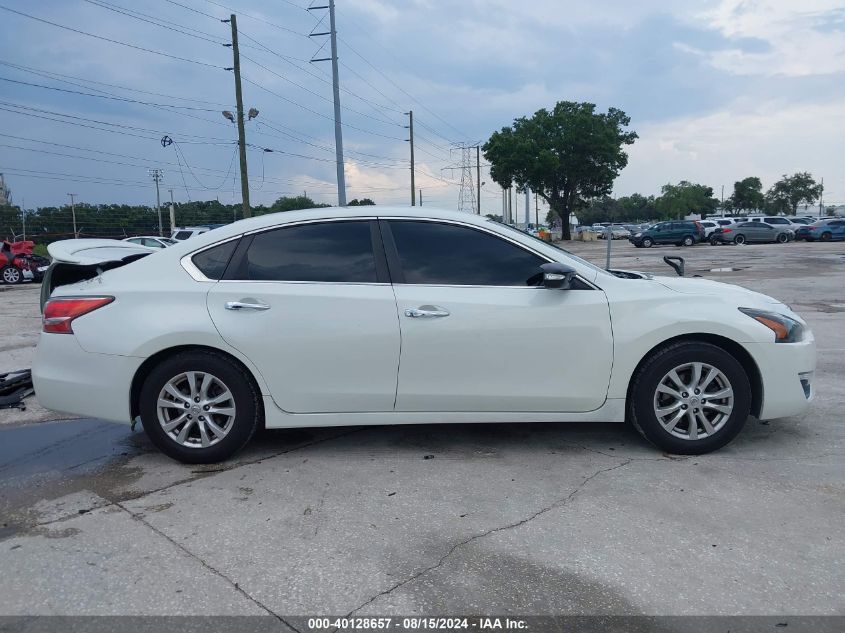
[338, 316]
[677, 232]
[151, 241]
[709, 226]
[825, 231]
[774, 220]
[617, 231]
[19, 264]
[188, 232]
[752, 232]
[797, 220]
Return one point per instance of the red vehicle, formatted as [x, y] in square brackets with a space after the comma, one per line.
[18, 263]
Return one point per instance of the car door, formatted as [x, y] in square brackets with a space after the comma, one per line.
[480, 334]
[310, 304]
[762, 232]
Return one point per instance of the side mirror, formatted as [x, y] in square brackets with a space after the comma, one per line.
[557, 275]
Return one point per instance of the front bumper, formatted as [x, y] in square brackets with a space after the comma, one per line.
[70, 380]
[787, 372]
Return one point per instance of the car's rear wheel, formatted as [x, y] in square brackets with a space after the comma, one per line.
[826, 236]
[648, 242]
[782, 238]
[739, 239]
[690, 398]
[199, 407]
[11, 275]
[689, 240]
[714, 241]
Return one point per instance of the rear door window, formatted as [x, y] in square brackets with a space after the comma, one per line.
[212, 261]
[339, 252]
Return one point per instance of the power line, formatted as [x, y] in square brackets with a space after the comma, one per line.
[107, 39]
[106, 96]
[256, 18]
[48, 74]
[149, 19]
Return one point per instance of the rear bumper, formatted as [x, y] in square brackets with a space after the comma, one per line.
[787, 372]
[70, 380]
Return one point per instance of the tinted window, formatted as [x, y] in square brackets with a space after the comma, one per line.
[432, 253]
[182, 235]
[334, 252]
[212, 261]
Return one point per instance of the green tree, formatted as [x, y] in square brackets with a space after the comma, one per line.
[748, 194]
[363, 202]
[790, 191]
[676, 201]
[567, 155]
[294, 204]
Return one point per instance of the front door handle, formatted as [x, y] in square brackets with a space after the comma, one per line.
[246, 304]
[426, 312]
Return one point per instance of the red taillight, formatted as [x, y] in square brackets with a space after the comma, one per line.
[60, 313]
[727, 231]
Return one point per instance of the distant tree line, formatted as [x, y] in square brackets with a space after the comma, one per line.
[678, 201]
[48, 224]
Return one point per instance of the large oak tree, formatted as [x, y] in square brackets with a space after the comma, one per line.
[567, 155]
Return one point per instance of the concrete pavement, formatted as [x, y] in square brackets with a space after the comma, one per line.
[506, 519]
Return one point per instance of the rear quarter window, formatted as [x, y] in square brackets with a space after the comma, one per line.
[212, 261]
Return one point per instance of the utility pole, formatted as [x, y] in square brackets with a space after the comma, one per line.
[172, 213]
[338, 132]
[510, 204]
[411, 140]
[156, 175]
[527, 206]
[239, 101]
[420, 197]
[478, 175]
[73, 213]
[536, 210]
[23, 217]
[821, 198]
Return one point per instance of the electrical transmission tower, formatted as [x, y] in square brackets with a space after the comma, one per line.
[469, 197]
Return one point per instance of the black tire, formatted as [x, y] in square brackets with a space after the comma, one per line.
[648, 242]
[782, 238]
[11, 275]
[810, 239]
[714, 241]
[826, 236]
[648, 376]
[247, 402]
[689, 240]
[739, 239]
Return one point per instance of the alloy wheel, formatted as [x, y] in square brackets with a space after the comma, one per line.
[693, 401]
[11, 275]
[196, 409]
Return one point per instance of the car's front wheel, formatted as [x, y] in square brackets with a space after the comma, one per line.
[199, 407]
[690, 398]
[11, 275]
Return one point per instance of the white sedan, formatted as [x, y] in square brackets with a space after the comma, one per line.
[333, 317]
[151, 241]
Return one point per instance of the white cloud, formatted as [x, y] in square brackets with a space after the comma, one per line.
[790, 30]
[765, 140]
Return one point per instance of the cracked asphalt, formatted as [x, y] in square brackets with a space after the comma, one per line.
[525, 519]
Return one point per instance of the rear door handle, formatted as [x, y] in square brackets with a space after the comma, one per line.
[426, 312]
[246, 304]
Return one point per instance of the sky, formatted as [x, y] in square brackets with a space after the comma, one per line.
[717, 90]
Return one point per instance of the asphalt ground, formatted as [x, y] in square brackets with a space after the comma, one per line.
[526, 519]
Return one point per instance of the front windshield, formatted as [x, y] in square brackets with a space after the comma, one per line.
[558, 248]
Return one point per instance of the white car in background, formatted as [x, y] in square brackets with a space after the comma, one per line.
[151, 241]
[295, 320]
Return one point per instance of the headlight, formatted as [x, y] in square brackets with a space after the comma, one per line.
[638, 234]
[786, 330]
